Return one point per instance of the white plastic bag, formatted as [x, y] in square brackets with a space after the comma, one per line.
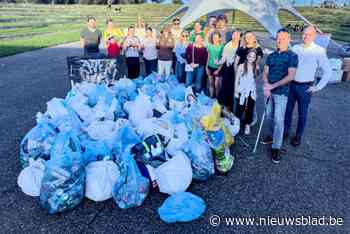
[140, 109]
[153, 126]
[102, 130]
[29, 180]
[233, 127]
[83, 110]
[56, 108]
[174, 175]
[100, 179]
[179, 138]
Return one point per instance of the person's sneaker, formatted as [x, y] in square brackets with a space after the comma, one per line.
[275, 155]
[267, 140]
[296, 141]
[247, 130]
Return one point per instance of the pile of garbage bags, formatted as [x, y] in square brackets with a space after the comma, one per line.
[123, 140]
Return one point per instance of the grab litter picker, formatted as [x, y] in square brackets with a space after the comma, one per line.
[261, 125]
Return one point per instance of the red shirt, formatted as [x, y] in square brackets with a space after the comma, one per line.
[113, 50]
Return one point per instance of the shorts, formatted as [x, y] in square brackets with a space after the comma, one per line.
[212, 70]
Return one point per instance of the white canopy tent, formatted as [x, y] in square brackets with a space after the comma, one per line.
[264, 11]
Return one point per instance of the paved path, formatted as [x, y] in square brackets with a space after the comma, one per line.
[313, 179]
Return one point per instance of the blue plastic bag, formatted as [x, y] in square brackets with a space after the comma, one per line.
[100, 90]
[95, 151]
[131, 188]
[125, 90]
[174, 117]
[125, 137]
[151, 78]
[181, 207]
[62, 186]
[37, 143]
[66, 143]
[173, 81]
[177, 93]
[202, 161]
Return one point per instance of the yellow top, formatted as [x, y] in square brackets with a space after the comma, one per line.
[116, 32]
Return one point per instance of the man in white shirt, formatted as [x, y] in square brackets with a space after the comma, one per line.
[311, 57]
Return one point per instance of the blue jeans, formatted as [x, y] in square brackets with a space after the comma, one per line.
[180, 72]
[195, 77]
[297, 93]
[275, 112]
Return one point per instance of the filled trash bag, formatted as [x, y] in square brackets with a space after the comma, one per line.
[61, 116]
[115, 111]
[179, 139]
[212, 121]
[139, 109]
[177, 98]
[29, 180]
[153, 126]
[125, 136]
[95, 151]
[102, 130]
[66, 143]
[37, 143]
[201, 157]
[131, 188]
[79, 103]
[62, 186]
[181, 207]
[224, 163]
[174, 175]
[101, 109]
[100, 179]
[99, 91]
[223, 158]
[150, 151]
[125, 88]
[56, 108]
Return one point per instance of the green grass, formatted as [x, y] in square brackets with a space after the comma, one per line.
[39, 26]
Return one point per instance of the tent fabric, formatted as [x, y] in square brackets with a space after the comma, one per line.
[264, 11]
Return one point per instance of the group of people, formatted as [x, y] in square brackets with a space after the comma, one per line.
[226, 64]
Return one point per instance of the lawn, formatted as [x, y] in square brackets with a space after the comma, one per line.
[28, 27]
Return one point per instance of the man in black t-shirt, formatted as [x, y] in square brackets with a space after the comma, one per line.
[90, 38]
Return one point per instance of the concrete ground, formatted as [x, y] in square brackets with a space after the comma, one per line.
[311, 180]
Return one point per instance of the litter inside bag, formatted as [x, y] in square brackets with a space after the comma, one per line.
[181, 207]
[201, 156]
[150, 151]
[63, 183]
[131, 188]
[37, 143]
